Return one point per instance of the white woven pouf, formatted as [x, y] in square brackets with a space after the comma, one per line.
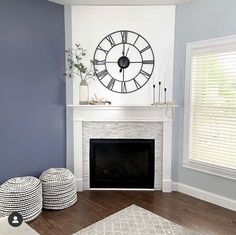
[23, 195]
[59, 188]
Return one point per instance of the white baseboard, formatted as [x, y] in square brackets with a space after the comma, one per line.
[169, 186]
[174, 186]
[166, 186]
[205, 196]
[79, 184]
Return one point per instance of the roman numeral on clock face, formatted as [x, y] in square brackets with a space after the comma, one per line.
[102, 74]
[111, 84]
[136, 40]
[145, 48]
[145, 74]
[99, 62]
[124, 36]
[136, 83]
[148, 62]
[101, 49]
[110, 39]
[123, 87]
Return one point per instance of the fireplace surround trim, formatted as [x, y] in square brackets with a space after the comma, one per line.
[121, 114]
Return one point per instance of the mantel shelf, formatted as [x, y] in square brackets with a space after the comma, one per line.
[145, 113]
[123, 107]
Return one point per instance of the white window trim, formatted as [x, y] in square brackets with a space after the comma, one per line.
[189, 163]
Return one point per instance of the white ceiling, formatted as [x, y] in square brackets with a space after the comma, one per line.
[121, 2]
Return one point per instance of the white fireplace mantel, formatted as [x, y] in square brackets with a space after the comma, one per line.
[157, 113]
[106, 113]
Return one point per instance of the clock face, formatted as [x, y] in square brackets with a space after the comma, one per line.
[123, 61]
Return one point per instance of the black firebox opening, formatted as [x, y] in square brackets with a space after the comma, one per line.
[122, 163]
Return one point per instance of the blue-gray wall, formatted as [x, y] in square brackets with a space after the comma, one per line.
[203, 19]
[32, 87]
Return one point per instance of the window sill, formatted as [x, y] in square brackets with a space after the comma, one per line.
[211, 169]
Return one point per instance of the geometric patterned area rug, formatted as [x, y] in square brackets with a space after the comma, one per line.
[7, 229]
[135, 220]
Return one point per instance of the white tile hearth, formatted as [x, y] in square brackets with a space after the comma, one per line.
[124, 130]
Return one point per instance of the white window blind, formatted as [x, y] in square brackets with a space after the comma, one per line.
[212, 124]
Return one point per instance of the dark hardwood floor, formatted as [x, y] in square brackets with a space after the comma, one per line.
[177, 207]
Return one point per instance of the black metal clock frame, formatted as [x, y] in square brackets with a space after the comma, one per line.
[123, 62]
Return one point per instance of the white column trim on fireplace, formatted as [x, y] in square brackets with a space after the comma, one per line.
[166, 163]
[78, 155]
[161, 113]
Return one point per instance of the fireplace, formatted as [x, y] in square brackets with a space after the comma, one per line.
[122, 163]
[124, 122]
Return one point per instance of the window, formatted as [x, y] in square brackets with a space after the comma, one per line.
[210, 107]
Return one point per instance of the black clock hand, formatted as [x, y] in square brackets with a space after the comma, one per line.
[123, 75]
[123, 53]
[127, 51]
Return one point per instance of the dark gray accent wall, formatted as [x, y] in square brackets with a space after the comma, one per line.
[32, 87]
[201, 20]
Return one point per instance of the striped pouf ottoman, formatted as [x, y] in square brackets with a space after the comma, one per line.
[59, 188]
[22, 195]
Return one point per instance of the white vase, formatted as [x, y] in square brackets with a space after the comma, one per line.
[83, 93]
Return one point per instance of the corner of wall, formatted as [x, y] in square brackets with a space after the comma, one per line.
[69, 93]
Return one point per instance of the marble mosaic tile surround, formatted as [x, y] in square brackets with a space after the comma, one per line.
[129, 130]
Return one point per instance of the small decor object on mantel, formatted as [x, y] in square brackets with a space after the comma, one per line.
[83, 92]
[77, 67]
[99, 101]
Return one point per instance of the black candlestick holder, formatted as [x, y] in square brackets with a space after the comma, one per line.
[154, 93]
[165, 91]
[159, 93]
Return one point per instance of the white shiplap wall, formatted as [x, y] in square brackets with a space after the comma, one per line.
[90, 24]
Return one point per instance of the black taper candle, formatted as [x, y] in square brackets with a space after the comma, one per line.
[154, 94]
[159, 97]
[165, 90]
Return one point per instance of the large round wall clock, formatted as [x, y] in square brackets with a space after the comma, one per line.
[123, 61]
